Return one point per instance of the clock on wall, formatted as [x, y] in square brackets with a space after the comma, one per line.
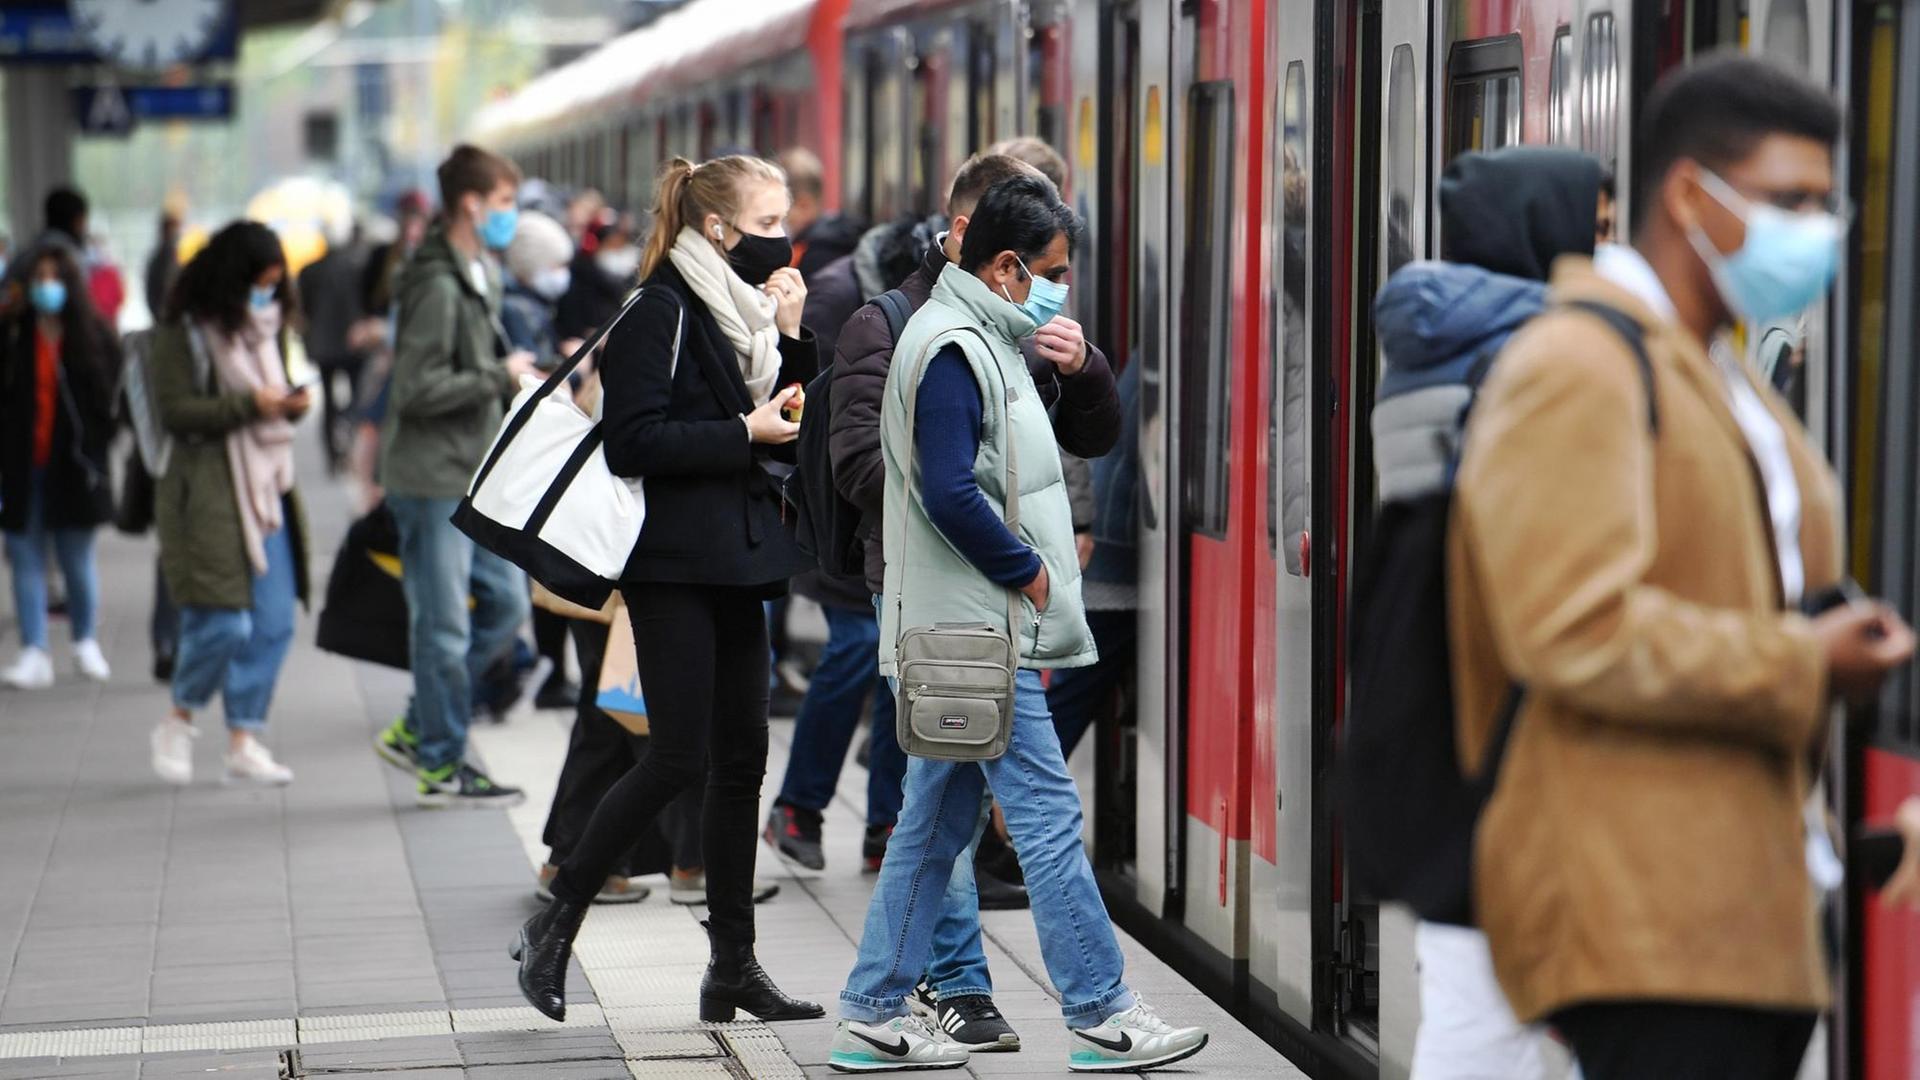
[150, 33]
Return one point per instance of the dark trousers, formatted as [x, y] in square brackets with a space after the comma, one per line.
[599, 753]
[846, 679]
[702, 654]
[1662, 1040]
[333, 408]
[163, 628]
[550, 641]
[1077, 696]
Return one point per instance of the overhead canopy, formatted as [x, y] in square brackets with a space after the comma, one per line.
[258, 13]
[704, 40]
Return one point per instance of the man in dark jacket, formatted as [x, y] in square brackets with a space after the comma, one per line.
[819, 235]
[452, 377]
[1077, 385]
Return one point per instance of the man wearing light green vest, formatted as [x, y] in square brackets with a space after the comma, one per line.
[976, 403]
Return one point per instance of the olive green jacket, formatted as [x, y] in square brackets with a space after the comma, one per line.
[203, 552]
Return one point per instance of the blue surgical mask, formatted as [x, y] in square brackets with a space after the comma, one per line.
[1784, 265]
[496, 231]
[1045, 300]
[261, 297]
[48, 297]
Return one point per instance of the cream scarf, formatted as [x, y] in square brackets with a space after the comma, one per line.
[259, 454]
[745, 313]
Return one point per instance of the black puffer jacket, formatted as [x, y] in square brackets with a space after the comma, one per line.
[1085, 408]
[77, 491]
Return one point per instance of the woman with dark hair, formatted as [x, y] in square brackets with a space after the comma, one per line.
[231, 536]
[690, 402]
[59, 365]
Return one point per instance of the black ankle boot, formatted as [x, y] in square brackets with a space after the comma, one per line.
[543, 947]
[735, 980]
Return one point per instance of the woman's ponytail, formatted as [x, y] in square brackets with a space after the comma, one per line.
[668, 197]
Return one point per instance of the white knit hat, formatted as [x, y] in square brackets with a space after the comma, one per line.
[539, 243]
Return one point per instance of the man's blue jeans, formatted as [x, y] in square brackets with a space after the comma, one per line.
[848, 674]
[941, 812]
[238, 653]
[27, 554]
[451, 646]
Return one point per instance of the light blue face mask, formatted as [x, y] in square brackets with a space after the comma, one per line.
[48, 297]
[497, 230]
[1045, 300]
[1785, 264]
[261, 297]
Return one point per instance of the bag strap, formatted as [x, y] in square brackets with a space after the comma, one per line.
[906, 500]
[559, 376]
[1630, 331]
[893, 304]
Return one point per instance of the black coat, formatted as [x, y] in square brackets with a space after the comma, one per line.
[591, 298]
[78, 489]
[713, 512]
[1085, 407]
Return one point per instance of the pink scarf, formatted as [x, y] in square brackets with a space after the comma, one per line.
[259, 454]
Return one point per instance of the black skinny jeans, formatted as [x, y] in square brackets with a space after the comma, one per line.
[702, 653]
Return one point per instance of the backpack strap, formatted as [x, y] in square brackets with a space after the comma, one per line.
[893, 304]
[1630, 331]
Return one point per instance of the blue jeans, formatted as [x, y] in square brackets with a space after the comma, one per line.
[942, 810]
[848, 674]
[238, 653]
[27, 555]
[450, 646]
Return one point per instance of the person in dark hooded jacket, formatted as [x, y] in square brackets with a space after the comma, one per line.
[1506, 215]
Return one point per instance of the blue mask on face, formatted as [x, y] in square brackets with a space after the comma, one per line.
[1045, 299]
[261, 297]
[497, 230]
[48, 297]
[1785, 264]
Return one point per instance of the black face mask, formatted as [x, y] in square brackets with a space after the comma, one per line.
[755, 258]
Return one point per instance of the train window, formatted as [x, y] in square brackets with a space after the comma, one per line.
[1600, 89]
[1786, 36]
[1206, 362]
[1560, 88]
[1483, 94]
[1403, 158]
[856, 178]
[1289, 420]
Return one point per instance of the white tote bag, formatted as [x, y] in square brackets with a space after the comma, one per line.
[544, 498]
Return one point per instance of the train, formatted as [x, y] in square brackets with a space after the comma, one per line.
[1250, 172]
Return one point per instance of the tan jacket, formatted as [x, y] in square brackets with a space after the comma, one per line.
[1645, 837]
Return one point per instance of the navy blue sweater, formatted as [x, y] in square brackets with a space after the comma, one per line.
[947, 436]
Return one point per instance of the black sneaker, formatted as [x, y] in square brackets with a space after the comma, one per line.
[997, 893]
[996, 856]
[463, 785]
[795, 833]
[873, 846]
[922, 1003]
[557, 693]
[398, 746]
[972, 1021]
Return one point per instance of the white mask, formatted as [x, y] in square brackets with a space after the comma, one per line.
[620, 263]
[551, 283]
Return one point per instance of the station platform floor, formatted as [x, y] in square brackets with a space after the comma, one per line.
[331, 929]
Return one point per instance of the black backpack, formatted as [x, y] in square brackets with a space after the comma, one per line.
[826, 525]
[1408, 812]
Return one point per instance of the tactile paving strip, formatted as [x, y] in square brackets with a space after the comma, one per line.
[232, 1035]
[763, 1054]
[668, 1044]
[368, 1027]
[70, 1042]
[685, 1070]
[525, 1018]
[657, 985]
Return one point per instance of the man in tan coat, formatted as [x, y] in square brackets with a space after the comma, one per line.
[1641, 868]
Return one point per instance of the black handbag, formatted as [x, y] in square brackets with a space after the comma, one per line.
[364, 616]
[133, 506]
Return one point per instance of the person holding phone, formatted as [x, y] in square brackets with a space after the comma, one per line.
[232, 542]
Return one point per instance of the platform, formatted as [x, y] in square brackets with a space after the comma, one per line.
[330, 929]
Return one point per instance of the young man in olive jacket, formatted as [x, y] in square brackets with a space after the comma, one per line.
[1077, 387]
[452, 377]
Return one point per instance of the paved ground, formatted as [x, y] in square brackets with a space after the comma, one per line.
[330, 929]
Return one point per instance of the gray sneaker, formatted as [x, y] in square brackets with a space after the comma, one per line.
[901, 1044]
[1132, 1041]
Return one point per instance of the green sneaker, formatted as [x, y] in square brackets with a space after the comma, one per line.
[398, 746]
[462, 785]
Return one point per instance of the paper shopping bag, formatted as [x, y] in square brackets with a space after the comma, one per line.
[619, 695]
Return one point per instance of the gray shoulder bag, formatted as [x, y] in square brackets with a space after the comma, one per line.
[954, 700]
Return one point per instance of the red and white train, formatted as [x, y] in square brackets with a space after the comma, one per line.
[1251, 170]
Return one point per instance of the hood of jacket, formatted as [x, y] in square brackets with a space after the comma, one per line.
[1515, 210]
[1436, 320]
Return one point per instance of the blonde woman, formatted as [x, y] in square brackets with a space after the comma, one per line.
[690, 380]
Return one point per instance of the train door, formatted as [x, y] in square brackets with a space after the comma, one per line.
[1085, 118]
[1280, 948]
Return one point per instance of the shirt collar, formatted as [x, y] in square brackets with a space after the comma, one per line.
[1627, 268]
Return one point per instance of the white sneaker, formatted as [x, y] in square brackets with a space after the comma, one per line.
[32, 670]
[253, 763]
[173, 750]
[900, 1044]
[91, 662]
[1130, 1042]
